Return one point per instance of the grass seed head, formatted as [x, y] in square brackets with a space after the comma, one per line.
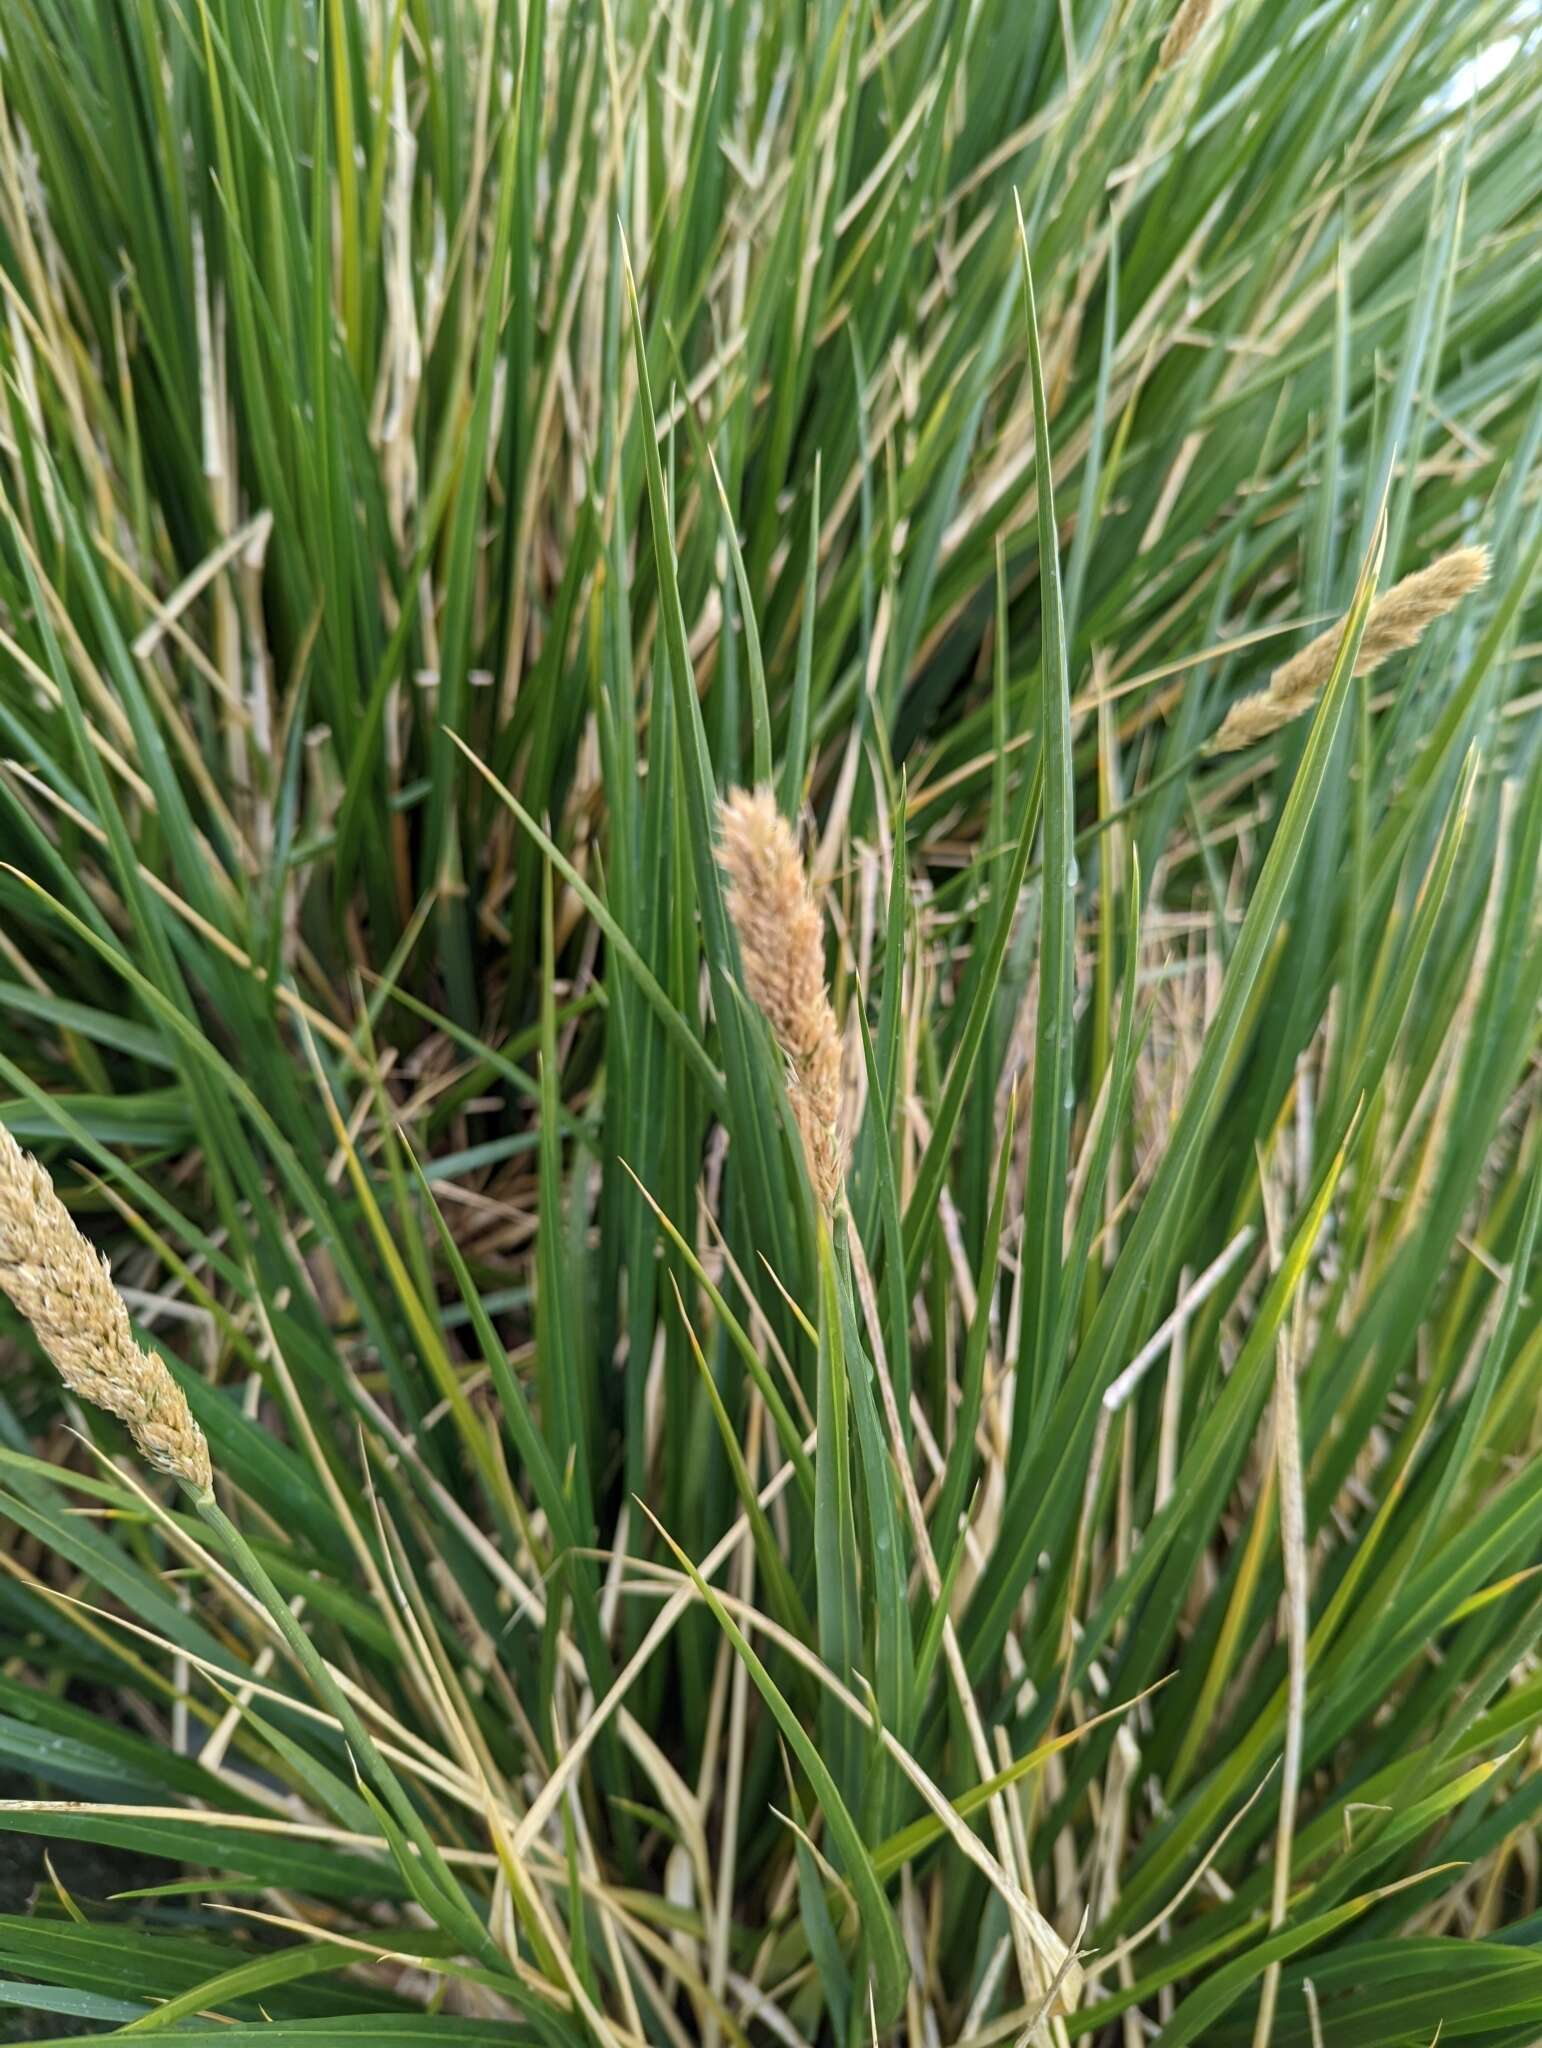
[1397, 619]
[781, 945]
[1184, 31]
[62, 1285]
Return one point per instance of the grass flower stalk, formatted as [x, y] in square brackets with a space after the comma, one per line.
[1398, 620]
[781, 945]
[1187, 26]
[63, 1286]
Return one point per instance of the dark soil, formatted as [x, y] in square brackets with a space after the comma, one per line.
[88, 1872]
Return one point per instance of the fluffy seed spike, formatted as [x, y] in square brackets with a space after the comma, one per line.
[1397, 619]
[63, 1287]
[781, 944]
[1184, 32]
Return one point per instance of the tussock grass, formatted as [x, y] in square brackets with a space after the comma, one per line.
[771, 794]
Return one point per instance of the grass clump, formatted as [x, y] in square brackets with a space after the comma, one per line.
[784, 922]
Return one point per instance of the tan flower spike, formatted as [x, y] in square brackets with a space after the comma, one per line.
[781, 944]
[62, 1285]
[1397, 619]
[1187, 26]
